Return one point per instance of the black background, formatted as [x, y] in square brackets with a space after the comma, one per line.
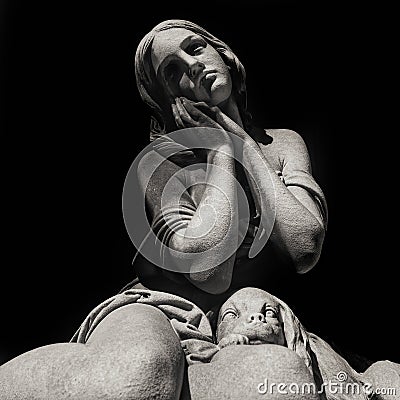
[74, 122]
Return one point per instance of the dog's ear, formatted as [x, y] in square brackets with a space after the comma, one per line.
[297, 338]
[212, 316]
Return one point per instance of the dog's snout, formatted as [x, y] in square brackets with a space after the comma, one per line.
[255, 317]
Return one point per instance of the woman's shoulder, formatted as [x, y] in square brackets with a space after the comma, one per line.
[284, 136]
[281, 144]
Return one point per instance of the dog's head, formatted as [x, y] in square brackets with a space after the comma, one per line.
[253, 313]
[263, 318]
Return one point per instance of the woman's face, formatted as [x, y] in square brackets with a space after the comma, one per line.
[186, 65]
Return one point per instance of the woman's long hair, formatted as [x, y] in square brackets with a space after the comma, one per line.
[152, 92]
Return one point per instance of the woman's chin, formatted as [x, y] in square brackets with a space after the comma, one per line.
[220, 93]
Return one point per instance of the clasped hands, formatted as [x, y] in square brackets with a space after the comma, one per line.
[188, 114]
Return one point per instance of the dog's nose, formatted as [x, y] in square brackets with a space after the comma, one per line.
[256, 317]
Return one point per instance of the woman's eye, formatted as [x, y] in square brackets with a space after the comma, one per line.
[270, 313]
[229, 315]
[196, 48]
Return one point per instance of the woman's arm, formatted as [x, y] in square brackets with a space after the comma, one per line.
[205, 243]
[298, 228]
[211, 236]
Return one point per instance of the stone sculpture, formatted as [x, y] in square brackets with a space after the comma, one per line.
[133, 345]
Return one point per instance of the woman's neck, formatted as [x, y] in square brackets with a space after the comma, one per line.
[230, 108]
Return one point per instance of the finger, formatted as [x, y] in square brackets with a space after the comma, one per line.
[208, 116]
[177, 117]
[205, 107]
[184, 115]
[200, 104]
[189, 121]
[181, 109]
[192, 110]
[202, 118]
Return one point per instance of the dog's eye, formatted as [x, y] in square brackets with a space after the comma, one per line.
[229, 314]
[270, 313]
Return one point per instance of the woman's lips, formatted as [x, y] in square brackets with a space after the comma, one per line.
[207, 79]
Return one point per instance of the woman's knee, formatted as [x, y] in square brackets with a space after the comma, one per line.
[139, 330]
[385, 377]
[132, 354]
[238, 372]
[144, 349]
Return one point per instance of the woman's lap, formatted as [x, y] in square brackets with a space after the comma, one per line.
[235, 371]
[134, 351]
[132, 354]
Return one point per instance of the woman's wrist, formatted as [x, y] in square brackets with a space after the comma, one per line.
[222, 151]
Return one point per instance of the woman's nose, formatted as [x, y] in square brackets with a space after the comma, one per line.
[195, 68]
[192, 64]
[256, 317]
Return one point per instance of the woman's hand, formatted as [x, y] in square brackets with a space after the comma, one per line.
[188, 115]
[210, 116]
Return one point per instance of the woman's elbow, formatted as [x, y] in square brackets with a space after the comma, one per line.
[207, 267]
[180, 244]
[306, 262]
[309, 249]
